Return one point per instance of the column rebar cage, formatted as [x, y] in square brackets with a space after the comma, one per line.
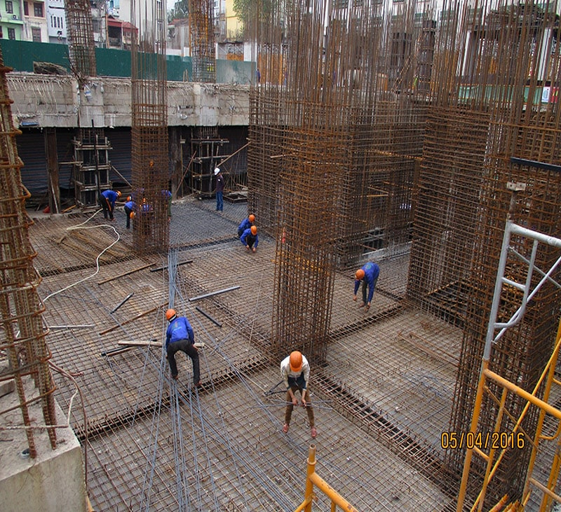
[354, 74]
[81, 46]
[150, 147]
[335, 145]
[22, 337]
[201, 35]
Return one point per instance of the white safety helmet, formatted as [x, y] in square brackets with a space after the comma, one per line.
[216, 171]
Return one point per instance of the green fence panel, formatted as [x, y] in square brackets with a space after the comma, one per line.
[20, 55]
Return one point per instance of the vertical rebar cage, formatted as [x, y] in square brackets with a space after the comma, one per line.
[22, 335]
[150, 151]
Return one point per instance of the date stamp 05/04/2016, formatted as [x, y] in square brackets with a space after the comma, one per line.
[489, 440]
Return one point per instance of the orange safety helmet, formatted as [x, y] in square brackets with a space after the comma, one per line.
[296, 361]
[129, 198]
[119, 193]
[253, 230]
[170, 314]
[133, 215]
[251, 218]
[359, 274]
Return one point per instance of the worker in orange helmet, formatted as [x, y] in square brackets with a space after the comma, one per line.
[295, 371]
[250, 239]
[368, 276]
[246, 224]
[180, 336]
[130, 207]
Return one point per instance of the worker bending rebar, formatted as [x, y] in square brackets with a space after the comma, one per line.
[180, 336]
[295, 371]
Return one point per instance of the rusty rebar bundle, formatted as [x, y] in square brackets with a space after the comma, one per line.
[23, 336]
[150, 162]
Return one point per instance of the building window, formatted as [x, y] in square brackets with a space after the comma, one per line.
[26, 8]
[36, 35]
[11, 33]
[9, 7]
[38, 9]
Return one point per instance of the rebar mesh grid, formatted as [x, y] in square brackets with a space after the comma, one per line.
[149, 129]
[22, 341]
[234, 454]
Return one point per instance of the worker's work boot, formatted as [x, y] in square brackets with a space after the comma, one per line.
[285, 428]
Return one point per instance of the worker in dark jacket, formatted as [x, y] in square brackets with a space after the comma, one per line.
[246, 224]
[107, 200]
[219, 189]
[130, 207]
[368, 275]
[180, 336]
[249, 238]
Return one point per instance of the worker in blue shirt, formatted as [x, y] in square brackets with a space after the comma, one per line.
[249, 239]
[180, 336]
[368, 275]
[246, 224]
[130, 207]
[107, 200]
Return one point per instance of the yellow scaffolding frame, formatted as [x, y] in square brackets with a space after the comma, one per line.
[517, 436]
[313, 479]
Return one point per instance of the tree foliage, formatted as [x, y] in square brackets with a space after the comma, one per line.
[249, 11]
[180, 10]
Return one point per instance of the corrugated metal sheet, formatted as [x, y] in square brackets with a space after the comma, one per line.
[120, 155]
[65, 153]
[31, 149]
